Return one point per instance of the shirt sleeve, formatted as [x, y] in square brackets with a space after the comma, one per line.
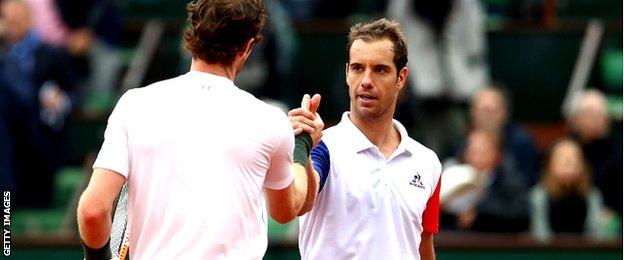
[280, 172]
[321, 162]
[431, 215]
[114, 154]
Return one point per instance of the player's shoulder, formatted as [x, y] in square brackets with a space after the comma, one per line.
[260, 107]
[333, 135]
[422, 152]
[156, 88]
[418, 147]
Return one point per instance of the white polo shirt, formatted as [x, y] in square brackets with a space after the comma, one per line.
[197, 152]
[370, 207]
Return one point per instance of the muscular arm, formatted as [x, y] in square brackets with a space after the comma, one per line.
[426, 249]
[313, 187]
[299, 197]
[285, 204]
[95, 207]
[430, 223]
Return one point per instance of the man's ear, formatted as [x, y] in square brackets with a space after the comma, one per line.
[402, 77]
[347, 72]
[248, 48]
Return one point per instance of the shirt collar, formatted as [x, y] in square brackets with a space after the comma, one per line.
[359, 142]
[404, 145]
[209, 79]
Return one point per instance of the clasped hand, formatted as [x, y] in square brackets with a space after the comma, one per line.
[306, 119]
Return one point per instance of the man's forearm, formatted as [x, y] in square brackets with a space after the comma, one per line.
[427, 250]
[301, 187]
[313, 186]
[284, 204]
[94, 224]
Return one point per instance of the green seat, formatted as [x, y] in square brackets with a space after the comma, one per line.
[67, 181]
[612, 69]
[27, 222]
[611, 73]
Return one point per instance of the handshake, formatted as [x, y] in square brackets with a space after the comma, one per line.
[305, 119]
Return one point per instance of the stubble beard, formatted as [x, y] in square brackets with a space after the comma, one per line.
[373, 115]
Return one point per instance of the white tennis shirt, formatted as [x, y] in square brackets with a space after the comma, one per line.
[370, 207]
[197, 152]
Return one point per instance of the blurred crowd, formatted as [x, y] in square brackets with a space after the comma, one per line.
[55, 54]
[495, 183]
[58, 58]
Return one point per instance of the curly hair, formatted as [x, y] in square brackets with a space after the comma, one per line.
[379, 30]
[219, 29]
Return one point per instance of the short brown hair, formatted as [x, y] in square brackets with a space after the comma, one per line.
[379, 30]
[219, 29]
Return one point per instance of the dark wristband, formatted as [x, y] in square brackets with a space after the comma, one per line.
[97, 254]
[303, 145]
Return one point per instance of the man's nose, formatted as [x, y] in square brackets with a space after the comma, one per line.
[367, 80]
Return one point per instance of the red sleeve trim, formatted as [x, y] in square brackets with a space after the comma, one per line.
[431, 215]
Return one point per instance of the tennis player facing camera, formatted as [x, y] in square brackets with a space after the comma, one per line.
[203, 159]
[379, 196]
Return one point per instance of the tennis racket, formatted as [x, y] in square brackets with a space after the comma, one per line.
[120, 231]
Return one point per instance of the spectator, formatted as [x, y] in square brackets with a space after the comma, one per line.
[499, 203]
[36, 101]
[489, 110]
[48, 22]
[93, 42]
[90, 31]
[589, 124]
[565, 200]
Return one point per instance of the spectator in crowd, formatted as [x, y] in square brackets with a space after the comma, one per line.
[565, 200]
[447, 64]
[48, 22]
[497, 200]
[589, 124]
[96, 35]
[90, 31]
[36, 101]
[489, 110]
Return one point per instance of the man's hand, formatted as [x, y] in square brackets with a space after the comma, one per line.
[306, 119]
[53, 98]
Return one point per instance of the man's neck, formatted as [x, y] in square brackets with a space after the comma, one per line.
[228, 71]
[380, 132]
